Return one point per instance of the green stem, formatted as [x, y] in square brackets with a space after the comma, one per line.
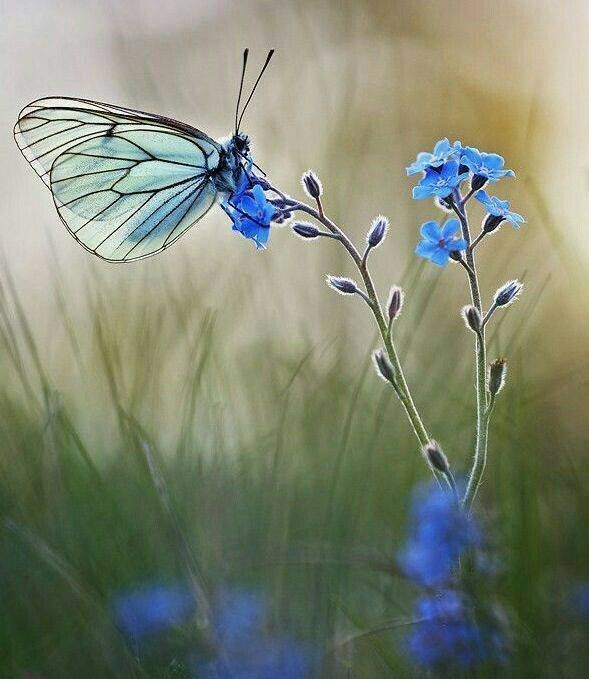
[480, 454]
[401, 386]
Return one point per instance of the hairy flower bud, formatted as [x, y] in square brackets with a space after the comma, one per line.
[497, 372]
[491, 222]
[312, 184]
[436, 457]
[378, 231]
[508, 293]
[345, 286]
[305, 230]
[383, 365]
[395, 302]
[472, 318]
[478, 181]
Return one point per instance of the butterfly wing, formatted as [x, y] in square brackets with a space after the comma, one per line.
[126, 184]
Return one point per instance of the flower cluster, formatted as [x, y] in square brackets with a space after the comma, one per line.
[440, 534]
[443, 171]
[250, 209]
[447, 632]
[241, 648]
[245, 650]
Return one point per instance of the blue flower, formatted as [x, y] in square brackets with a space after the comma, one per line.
[251, 213]
[440, 183]
[579, 601]
[440, 533]
[498, 212]
[484, 166]
[439, 241]
[448, 635]
[152, 609]
[246, 652]
[443, 151]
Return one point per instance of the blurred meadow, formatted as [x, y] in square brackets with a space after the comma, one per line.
[213, 410]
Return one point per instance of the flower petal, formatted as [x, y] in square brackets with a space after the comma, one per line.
[450, 228]
[426, 249]
[493, 161]
[431, 231]
[421, 191]
[441, 257]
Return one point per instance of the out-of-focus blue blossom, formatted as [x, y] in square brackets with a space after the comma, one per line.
[448, 635]
[484, 166]
[443, 151]
[440, 533]
[153, 609]
[251, 213]
[498, 209]
[579, 601]
[439, 241]
[245, 651]
[439, 183]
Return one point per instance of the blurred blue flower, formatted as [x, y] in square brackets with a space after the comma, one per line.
[579, 601]
[439, 241]
[484, 166]
[440, 533]
[251, 213]
[152, 609]
[448, 635]
[245, 651]
[499, 209]
[443, 151]
[439, 183]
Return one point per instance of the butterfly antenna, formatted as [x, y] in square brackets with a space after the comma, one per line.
[245, 55]
[264, 67]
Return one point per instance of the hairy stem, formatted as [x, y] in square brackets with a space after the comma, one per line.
[480, 455]
[401, 386]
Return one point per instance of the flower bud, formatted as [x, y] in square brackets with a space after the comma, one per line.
[383, 365]
[312, 184]
[395, 303]
[446, 203]
[497, 372]
[478, 181]
[305, 230]
[345, 286]
[508, 293]
[434, 454]
[491, 222]
[377, 232]
[472, 318]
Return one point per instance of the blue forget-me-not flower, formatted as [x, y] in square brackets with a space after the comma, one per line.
[449, 636]
[440, 534]
[152, 609]
[440, 183]
[439, 241]
[498, 212]
[246, 651]
[484, 166]
[251, 213]
[443, 151]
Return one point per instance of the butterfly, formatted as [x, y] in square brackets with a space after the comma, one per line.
[127, 184]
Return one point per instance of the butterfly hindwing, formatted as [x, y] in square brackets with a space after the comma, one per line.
[126, 184]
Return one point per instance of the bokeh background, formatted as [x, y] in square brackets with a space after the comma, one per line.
[285, 458]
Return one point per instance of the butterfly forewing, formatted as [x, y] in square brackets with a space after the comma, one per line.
[126, 184]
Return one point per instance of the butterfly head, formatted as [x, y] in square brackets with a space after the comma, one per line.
[241, 143]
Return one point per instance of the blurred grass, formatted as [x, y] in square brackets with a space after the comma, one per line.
[288, 469]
